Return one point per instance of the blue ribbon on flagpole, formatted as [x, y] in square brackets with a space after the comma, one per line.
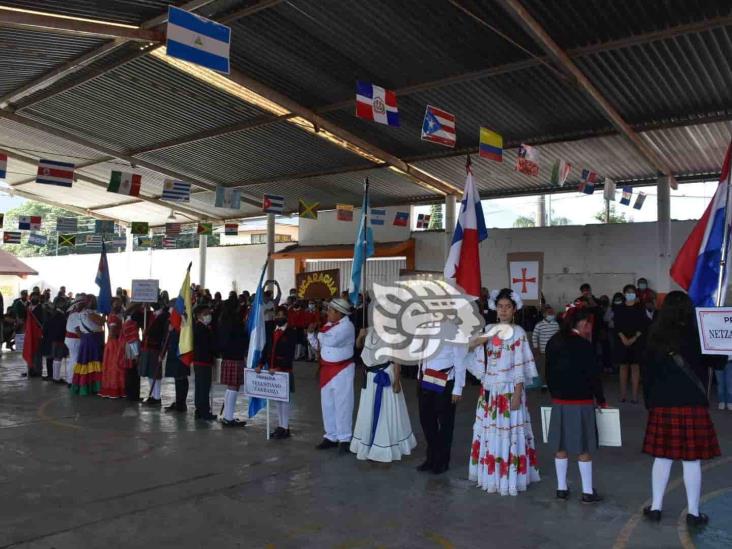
[381, 380]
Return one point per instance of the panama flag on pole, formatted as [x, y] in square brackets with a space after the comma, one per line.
[697, 266]
[181, 317]
[257, 338]
[463, 262]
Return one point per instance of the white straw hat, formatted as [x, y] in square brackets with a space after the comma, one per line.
[340, 305]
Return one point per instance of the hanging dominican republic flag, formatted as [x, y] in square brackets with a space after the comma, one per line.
[491, 145]
[139, 227]
[627, 196]
[176, 191]
[463, 261]
[257, 337]
[103, 226]
[199, 40]
[639, 201]
[104, 300]
[376, 104]
[3, 166]
[423, 221]
[697, 266]
[37, 239]
[609, 189]
[51, 172]
[125, 183]
[172, 228]
[66, 240]
[231, 229]
[168, 242]
[401, 219]
[377, 216]
[205, 229]
[227, 198]
[363, 248]
[181, 317]
[11, 237]
[560, 172]
[273, 204]
[67, 224]
[344, 212]
[527, 160]
[588, 180]
[438, 127]
[307, 210]
[29, 223]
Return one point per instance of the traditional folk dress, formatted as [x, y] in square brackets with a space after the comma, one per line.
[335, 341]
[114, 366]
[503, 454]
[383, 431]
[72, 341]
[88, 368]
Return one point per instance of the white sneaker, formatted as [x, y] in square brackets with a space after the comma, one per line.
[722, 406]
[729, 407]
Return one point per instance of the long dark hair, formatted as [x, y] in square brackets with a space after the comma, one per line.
[675, 321]
[571, 318]
[505, 293]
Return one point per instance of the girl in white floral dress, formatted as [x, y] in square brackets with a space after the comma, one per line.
[503, 454]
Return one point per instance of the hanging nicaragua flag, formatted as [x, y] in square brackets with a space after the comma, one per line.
[273, 203]
[376, 104]
[172, 228]
[198, 40]
[51, 172]
[363, 248]
[29, 223]
[344, 212]
[11, 237]
[697, 266]
[560, 172]
[527, 160]
[491, 145]
[67, 224]
[587, 183]
[627, 195]
[463, 261]
[377, 216]
[609, 189]
[37, 239]
[231, 229]
[181, 317]
[401, 219]
[438, 127]
[227, 198]
[257, 337]
[104, 300]
[125, 183]
[139, 227]
[639, 201]
[176, 191]
[307, 210]
[3, 166]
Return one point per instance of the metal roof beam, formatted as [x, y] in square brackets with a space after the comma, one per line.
[542, 38]
[74, 209]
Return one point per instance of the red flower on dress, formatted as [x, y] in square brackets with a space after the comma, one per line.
[490, 461]
[504, 468]
[502, 403]
[532, 457]
[475, 451]
[496, 341]
[522, 465]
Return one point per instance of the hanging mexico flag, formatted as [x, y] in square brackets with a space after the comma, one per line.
[125, 183]
[560, 172]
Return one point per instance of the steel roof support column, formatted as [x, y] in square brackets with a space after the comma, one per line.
[450, 202]
[270, 245]
[663, 279]
[202, 247]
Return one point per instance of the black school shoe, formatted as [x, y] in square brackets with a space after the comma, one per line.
[439, 469]
[651, 514]
[697, 520]
[280, 433]
[426, 466]
[233, 423]
[206, 416]
[344, 448]
[326, 444]
[594, 497]
[175, 407]
[562, 494]
[152, 402]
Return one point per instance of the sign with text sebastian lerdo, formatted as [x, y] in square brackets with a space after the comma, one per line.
[715, 330]
[145, 290]
[266, 385]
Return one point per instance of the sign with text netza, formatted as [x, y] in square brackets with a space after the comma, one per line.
[715, 330]
[273, 386]
[145, 291]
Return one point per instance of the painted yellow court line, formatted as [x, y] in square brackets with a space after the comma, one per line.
[440, 540]
[681, 528]
[45, 417]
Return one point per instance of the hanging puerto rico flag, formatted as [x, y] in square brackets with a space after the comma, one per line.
[139, 227]
[176, 191]
[527, 160]
[67, 224]
[11, 237]
[697, 265]
[66, 240]
[227, 198]
[273, 203]
[401, 219]
[463, 260]
[639, 201]
[627, 196]
[376, 104]
[103, 226]
[172, 228]
[377, 216]
[3, 167]
[198, 40]
[491, 145]
[560, 172]
[125, 183]
[438, 127]
[307, 210]
[51, 172]
[344, 212]
[609, 189]
[29, 223]
[205, 229]
[169, 242]
[588, 180]
[231, 229]
[37, 239]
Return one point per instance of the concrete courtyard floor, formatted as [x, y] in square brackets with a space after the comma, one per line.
[80, 472]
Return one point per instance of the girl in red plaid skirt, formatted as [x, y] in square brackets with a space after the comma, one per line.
[679, 426]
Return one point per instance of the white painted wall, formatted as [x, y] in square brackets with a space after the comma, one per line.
[328, 230]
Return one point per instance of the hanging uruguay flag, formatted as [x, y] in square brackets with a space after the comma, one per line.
[3, 166]
[363, 248]
[697, 266]
[176, 191]
[257, 338]
[377, 216]
[51, 172]
[198, 40]
[438, 127]
[627, 196]
[463, 261]
[376, 104]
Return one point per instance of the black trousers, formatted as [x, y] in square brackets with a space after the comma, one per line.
[181, 391]
[203, 388]
[49, 366]
[437, 417]
[132, 384]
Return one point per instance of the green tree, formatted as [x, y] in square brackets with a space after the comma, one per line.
[524, 221]
[615, 216]
[49, 215]
[435, 217]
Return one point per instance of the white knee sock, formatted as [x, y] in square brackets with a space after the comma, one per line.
[561, 466]
[157, 386]
[56, 370]
[283, 412]
[585, 468]
[692, 482]
[229, 404]
[659, 481]
[69, 371]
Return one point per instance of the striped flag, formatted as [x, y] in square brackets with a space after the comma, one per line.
[627, 196]
[491, 145]
[377, 216]
[227, 198]
[11, 237]
[205, 229]
[307, 210]
[125, 183]
[438, 127]
[103, 226]
[401, 219]
[344, 212]
[231, 229]
[51, 172]
[272, 203]
[560, 172]
[67, 224]
[609, 189]
[66, 240]
[3, 166]
[29, 223]
[139, 227]
[169, 242]
[257, 337]
[176, 191]
[588, 180]
[198, 40]
[37, 239]
[639, 201]
[93, 240]
[172, 228]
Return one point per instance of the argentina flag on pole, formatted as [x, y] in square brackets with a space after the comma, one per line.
[198, 40]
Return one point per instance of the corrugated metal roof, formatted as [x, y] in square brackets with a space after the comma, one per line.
[118, 11]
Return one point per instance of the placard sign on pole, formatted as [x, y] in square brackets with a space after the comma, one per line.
[715, 330]
[266, 385]
[145, 291]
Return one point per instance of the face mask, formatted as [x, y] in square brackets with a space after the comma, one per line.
[617, 302]
[630, 297]
[550, 318]
[642, 286]
[206, 319]
[280, 321]
[311, 306]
